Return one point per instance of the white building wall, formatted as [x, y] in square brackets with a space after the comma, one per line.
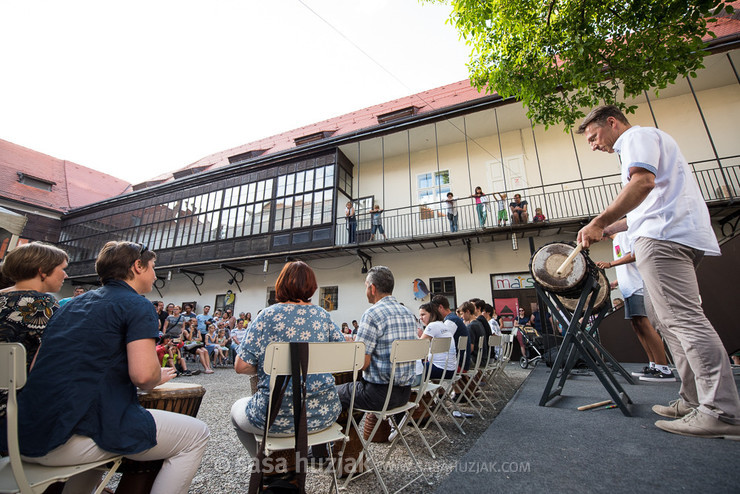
[344, 272]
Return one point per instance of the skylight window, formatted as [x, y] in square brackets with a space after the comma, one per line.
[36, 182]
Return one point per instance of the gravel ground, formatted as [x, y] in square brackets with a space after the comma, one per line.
[226, 464]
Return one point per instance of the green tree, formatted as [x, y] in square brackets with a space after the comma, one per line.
[559, 57]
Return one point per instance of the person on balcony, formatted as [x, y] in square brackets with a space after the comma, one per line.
[670, 232]
[377, 223]
[519, 214]
[538, 216]
[451, 208]
[481, 205]
[502, 214]
[349, 214]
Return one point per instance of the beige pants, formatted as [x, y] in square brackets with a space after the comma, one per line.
[181, 442]
[672, 301]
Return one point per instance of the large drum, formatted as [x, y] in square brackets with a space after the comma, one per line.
[601, 298]
[544, 265]
[185, 398]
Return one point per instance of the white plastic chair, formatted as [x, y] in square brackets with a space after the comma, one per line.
[15, 474]
[323, 358]
[402, 351]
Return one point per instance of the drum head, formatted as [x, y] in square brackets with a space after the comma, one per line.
[546, 261]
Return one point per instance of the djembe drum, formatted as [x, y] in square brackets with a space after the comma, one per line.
[138, 476]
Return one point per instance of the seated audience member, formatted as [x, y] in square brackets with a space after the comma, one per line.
[169, 356]
[479, 307]
[519, 212]
[237, 336]
[443, 306]
[212, 345]
[347, 332]
[197, 348]
[66, 418]
[475, 328]
[292, 318]
[223, 342]
[25, 307]
[443, 364]
[387, 320]
[490, 314]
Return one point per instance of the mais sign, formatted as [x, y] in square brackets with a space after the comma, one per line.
[512, 281]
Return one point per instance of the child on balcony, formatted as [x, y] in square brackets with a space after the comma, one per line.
[538, 216]
[375, 220]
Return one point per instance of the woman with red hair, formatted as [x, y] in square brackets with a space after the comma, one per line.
[292, 318]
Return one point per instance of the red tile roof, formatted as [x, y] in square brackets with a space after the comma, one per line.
[74, 185]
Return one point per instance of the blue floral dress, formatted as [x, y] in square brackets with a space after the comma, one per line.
[291, 322]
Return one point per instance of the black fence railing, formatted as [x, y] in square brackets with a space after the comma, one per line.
[562, 201]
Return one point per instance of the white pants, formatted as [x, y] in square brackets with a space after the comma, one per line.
[181, 442]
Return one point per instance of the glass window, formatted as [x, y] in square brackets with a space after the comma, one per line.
[329, 297]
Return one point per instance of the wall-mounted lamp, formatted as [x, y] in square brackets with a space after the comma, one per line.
[514, 244]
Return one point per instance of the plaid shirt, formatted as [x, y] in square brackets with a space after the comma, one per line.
[386, 321]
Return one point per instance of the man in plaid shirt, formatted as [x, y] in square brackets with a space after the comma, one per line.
[387, 320]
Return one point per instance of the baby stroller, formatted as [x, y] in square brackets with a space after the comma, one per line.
[533, 343]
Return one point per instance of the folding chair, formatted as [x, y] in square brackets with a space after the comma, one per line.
[402, 351]
[472, 386]
[491, 370]
[432, 390]
[323, 358]
[448, 397]
[507, 346]
[15, 474]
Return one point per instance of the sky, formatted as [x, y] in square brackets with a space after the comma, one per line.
[140, 88]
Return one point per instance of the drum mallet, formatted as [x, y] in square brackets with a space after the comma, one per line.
[569, 259]
[595, 405]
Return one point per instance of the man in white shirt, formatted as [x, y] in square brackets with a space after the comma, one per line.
[670, 231]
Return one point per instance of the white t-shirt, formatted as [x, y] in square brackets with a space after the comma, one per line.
[239, 334]
[675, 209]
[630, 281]
[446, 329]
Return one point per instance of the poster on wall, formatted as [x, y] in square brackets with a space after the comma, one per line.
[507, 309]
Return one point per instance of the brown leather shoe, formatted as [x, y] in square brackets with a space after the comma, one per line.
[675, 409]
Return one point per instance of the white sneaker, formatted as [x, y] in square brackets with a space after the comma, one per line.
[394, 430]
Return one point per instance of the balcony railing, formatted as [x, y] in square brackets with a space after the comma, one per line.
[562, 201]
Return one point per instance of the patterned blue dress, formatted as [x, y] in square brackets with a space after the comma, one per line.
[291, 322]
